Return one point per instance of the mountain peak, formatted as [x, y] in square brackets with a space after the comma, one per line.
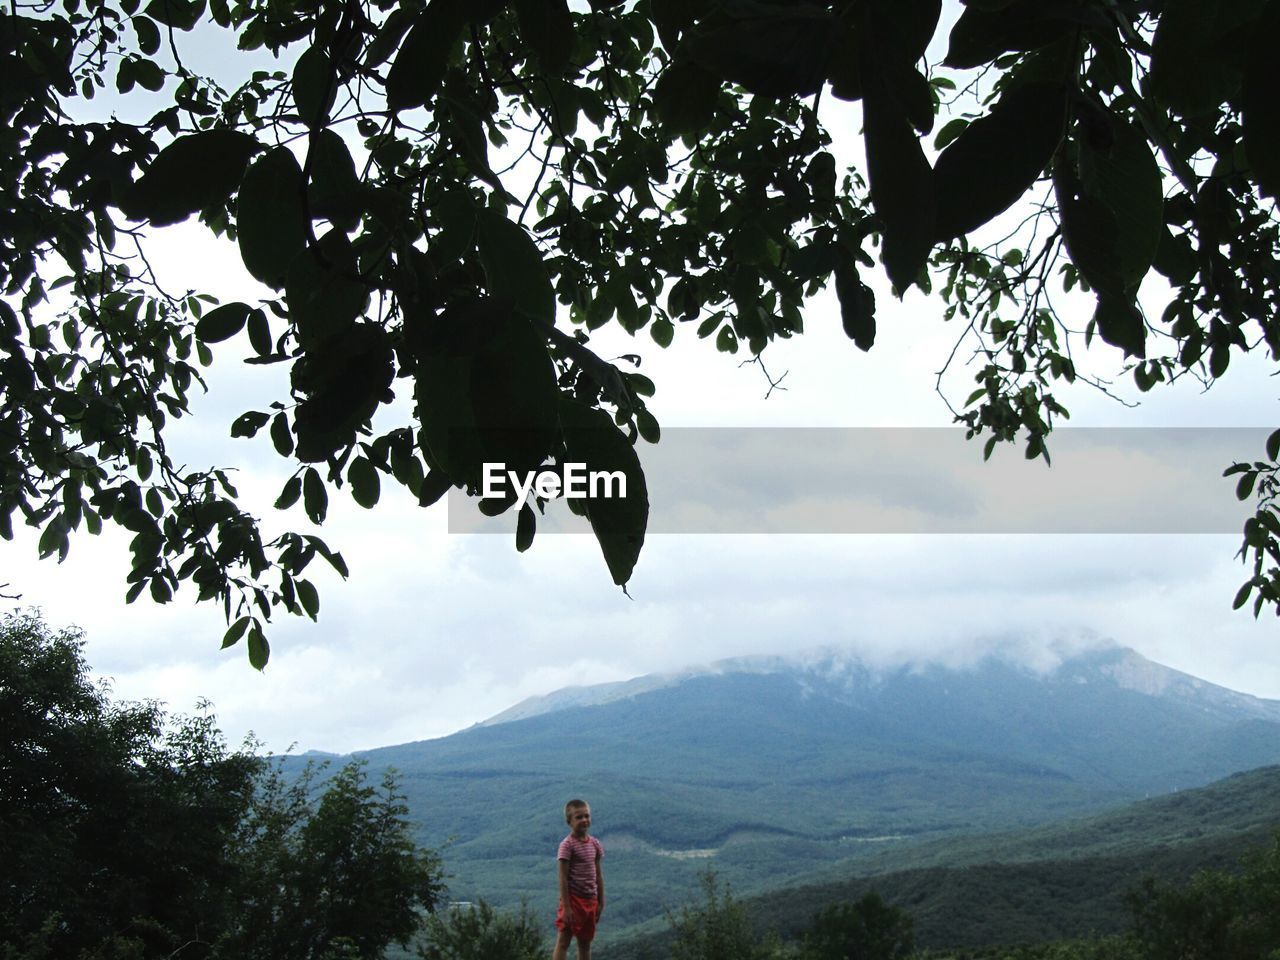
[843, 674]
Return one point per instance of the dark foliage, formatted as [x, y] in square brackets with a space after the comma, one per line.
[126, 833]
[418, 173]
[868, 929]
[115, 822]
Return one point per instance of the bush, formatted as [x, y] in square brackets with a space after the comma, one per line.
[478, 932]
[717, 929]
[868, 930]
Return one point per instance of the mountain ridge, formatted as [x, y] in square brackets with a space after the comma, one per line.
[1129, 669]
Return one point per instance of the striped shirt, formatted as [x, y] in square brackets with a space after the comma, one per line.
[582, 856]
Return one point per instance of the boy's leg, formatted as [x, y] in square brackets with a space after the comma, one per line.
[584, 950]
[562, 945]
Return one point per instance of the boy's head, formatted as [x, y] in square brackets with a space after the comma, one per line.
[577, 814]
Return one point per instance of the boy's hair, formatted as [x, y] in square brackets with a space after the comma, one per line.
[571, 806]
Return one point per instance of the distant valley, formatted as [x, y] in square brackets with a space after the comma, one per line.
[779, 771]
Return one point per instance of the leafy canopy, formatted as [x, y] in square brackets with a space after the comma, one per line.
[443, 200]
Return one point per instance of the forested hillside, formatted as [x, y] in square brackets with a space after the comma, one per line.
[1063, 882]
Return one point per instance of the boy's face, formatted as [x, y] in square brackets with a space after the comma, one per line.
[580, 820]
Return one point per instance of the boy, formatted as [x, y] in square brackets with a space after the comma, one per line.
[581, 883]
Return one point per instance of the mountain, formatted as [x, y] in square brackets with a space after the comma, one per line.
[770, 769]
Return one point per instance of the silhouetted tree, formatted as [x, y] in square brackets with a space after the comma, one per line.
[451, 196]
[126, 833]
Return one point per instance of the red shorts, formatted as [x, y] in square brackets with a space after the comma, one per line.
[584, 918]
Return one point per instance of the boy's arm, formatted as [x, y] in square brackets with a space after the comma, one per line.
[599, 888]
[564, 890]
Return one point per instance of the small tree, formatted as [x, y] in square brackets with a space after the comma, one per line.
[716, 929]
[478, 932]
[867, 930]
[328, 869]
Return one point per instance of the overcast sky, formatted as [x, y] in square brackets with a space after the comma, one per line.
[435, 630]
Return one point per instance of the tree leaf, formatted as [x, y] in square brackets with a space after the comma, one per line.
[1120, 324]
[248, 424]
[345, 378]
[857, 305]
[513, 267]
[259, 649]
[686, 97]
[281, 438]
[315, 499]
[844, 71]
[434, 486]
[54, 539]
[647, 424]
[222, 323]
[1126, 179]
[774, 50]
[315, 86]
[901, 180]
[365, 483]
[673, 17]
[908, 25]
[235, 632]
[526, 526]
[1193, 70]
[466, 130]
[995, 159]
[662, 331]
[547, 27]
[1089, 229]
[309, 598]
[619, 523]
[916, 97]
[981, 35]
[334, 191]
[148, 34]
[179, 14]
[259, 332]
[191, 174]
[271, 216]
[290, 494]
[324, 290]
[486, 392]
[419, 67]
[455, 212]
